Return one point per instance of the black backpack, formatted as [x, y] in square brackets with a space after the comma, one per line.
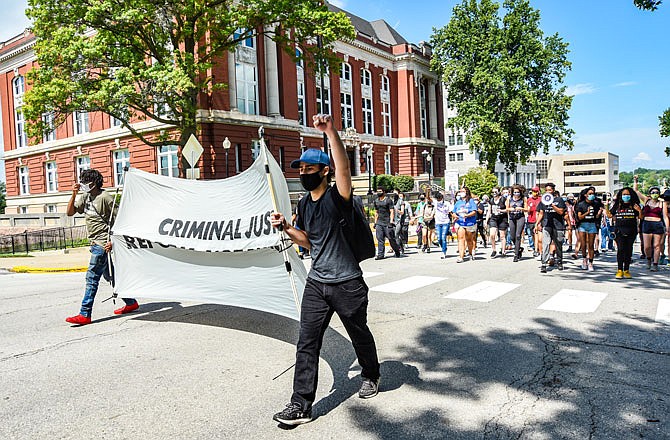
[357, 232]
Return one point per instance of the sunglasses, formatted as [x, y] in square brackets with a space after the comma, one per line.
[654, 192]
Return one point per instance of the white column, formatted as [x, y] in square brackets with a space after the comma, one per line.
[232, 81]
[357, 160]
[271, 76]
[432, 108]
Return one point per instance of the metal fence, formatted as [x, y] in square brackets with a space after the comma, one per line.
[44, 239]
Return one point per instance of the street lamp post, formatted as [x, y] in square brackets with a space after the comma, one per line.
[368, 155]
[226, 147]
[428, 158]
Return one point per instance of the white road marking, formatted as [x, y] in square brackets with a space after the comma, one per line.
[574, 301]
[371, 274]
[407, 284]
[663, 311]
[485, 291]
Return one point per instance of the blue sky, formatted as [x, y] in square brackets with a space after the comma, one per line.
[620, 64]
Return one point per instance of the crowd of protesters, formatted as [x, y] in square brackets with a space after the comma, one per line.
[540, 221]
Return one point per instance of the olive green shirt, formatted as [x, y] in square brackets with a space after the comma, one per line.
[98, 214]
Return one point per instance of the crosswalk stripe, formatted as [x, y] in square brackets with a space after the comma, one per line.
[574, 301]
[407, 284]
[663, 311]
[484, 291]
[371, 274]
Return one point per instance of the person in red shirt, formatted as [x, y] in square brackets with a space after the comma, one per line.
[534, 240]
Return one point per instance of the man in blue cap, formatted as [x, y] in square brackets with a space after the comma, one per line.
[335, 282]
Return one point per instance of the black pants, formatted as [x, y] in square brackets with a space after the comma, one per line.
[481, 231]
[516, 228]
[319, 300]
[383, 232]
[624, 250]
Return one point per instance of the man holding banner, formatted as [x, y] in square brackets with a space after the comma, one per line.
[335, 282]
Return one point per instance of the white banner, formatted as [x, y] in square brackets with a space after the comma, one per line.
[204, 215]
[207, 241]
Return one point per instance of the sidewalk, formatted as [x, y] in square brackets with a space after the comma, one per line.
[63, 260]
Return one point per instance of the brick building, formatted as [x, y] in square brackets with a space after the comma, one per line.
[385, 97]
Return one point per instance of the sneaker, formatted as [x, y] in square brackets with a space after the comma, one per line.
[459, 260]
[569, 249]
[585, 264]
[126, 309]
[552, 262]
[648, 264]
[596, 253]
[397, 254]
[536, 254]
[560, 266]
[78, 320]
[626, 274]
[472, 257]
[516, 259]
[574, 256]
[379, 257]
[428, 250]
[369, 388]
[591, 269]
[293, 415]
[619, 274]
[654, 268]
[543, 269]
[493, 254]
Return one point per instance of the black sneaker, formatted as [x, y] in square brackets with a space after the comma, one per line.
[369, 388]
[516, 258]
[379, 257]
[293, 415]
[543, 269]
[493, 254]
[560, 266]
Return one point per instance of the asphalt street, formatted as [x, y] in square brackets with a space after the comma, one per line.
[485, 349]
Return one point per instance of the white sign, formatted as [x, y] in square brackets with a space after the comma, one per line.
[192, 151]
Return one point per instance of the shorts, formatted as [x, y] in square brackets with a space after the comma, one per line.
[588, 227]
[652, 227]
[431, 224]
[500, 223]
[472, 228]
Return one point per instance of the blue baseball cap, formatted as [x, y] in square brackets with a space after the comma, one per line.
[312, 156]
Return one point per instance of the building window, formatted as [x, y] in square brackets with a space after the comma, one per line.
[459, 139]
[50, 131]
[168, 164]
[114, 122]
[459, 157]
[21, 137]
[247, 91]
[51, 209]
[387, 163]
[23, 210]
[366, 78]
[83, 163]
[19, 87]
[325, 109]
[386, 119]
[121, 161]
[300, 72]
[238, 158]
[52, 176]
[247, 42]
[368, 123]
[346, 72]
[81, 122]
[347, 107]
[452, 157]
[24, 181]
[423, 111]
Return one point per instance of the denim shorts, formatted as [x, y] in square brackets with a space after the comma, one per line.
[588, 227]
[652, 227]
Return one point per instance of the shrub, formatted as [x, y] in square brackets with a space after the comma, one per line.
[403, 183]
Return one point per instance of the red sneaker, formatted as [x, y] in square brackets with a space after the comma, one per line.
[126, 309]
[79, 320]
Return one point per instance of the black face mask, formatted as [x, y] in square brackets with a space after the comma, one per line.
[380, 195]
[311, 181]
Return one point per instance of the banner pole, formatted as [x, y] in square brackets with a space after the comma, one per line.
[273, 196]
[109, 235]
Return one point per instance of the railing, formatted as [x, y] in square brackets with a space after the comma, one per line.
[43, 239]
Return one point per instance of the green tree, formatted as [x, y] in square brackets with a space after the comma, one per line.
[504, 78]
[664, 123]
[480, 181]
[3, 197]
[650, 5]
[151, 60]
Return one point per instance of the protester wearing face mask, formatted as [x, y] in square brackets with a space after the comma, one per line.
[418, 219]
[482, 218]
[99, 211]
[570, 227]
[516, 208]
[442, 221]
[465, 217]
[531, 203]
[385, 223]
[498, 223]
[653, 230]
[587, 213]
[625, 213]
[551, 224]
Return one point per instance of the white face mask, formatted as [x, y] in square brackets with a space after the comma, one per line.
[85, 187]
[461, 195]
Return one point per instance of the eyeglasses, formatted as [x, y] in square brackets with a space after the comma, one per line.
[654, 192]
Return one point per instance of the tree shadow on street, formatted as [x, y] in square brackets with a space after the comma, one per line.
[548, 381]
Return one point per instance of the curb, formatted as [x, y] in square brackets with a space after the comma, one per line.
[26, 269]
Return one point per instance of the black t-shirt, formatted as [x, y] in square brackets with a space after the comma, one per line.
[498, 208]
[481, 210]
[384, 208]
[333, 261]
[551, 219]
[590, 209]
[625, 218]
[516, 204]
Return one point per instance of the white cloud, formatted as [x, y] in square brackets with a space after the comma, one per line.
[338, 3]
[625, 84]
[580, 89]
[642, 157]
